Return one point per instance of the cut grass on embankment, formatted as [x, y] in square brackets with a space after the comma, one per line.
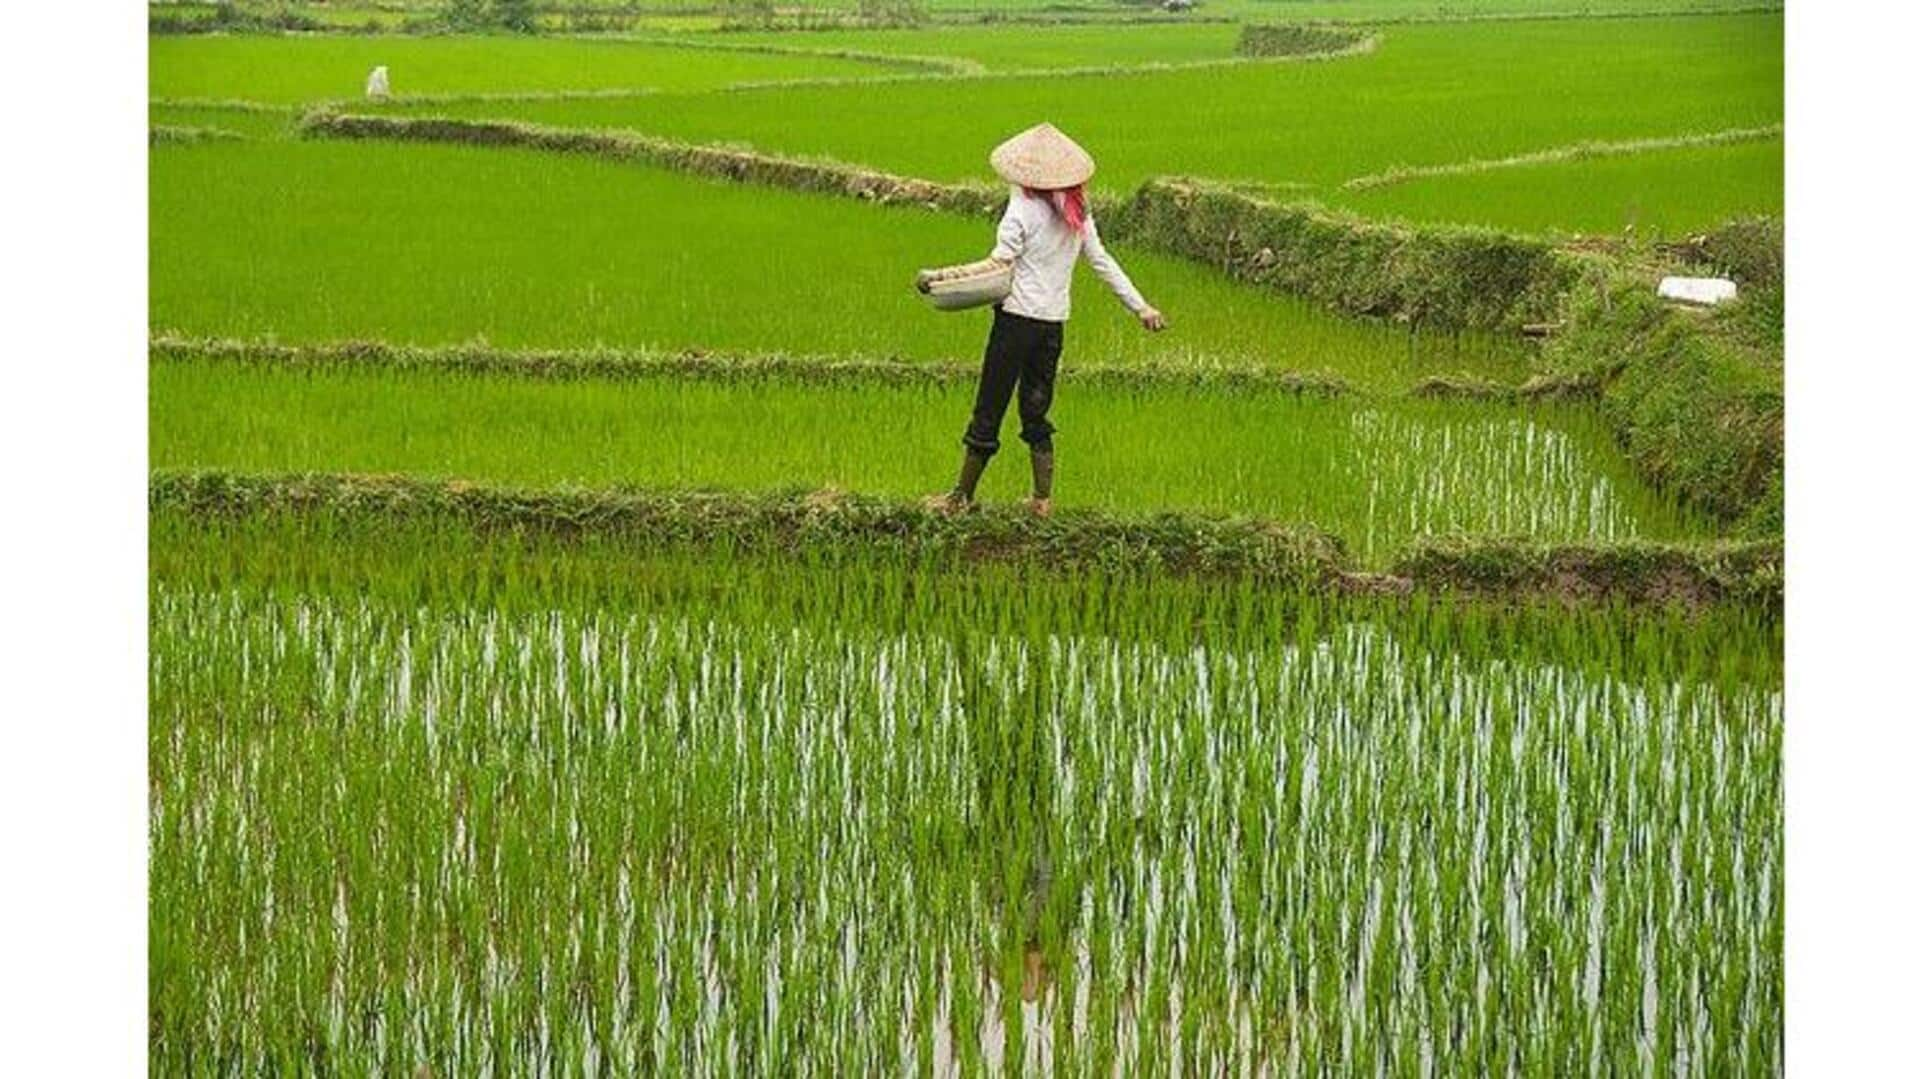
[325, 241]
[1656, 192]
[1376, 473]
[1697, 399]
[1427, 95]
[306, 69]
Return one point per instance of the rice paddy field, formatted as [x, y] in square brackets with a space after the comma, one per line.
[617, 829]
[1508, 88]
[309, 69]
[534, 790]
[1376, 474]
[1677, 191]
[437, 245]
[1014, 47]
[263, 121]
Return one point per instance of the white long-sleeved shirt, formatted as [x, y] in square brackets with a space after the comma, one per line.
[1043, 248]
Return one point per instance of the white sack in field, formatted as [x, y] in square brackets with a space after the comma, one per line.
[377, 82]
[1706, 291]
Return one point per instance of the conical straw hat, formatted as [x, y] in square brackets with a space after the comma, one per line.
[1042, 157]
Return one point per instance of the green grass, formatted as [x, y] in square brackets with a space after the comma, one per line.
[1016, 47]
[1662, 192]
[309, 69]
[510, 805]
[1376, 474]
[1430, 94]
[434, 244]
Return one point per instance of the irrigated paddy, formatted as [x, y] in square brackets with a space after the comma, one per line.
[420, 244]
[1654, 193]
[400, 828]
[590, 793]
[1375, 473]
[295, 69]
[1015, 47]
[1430, 94]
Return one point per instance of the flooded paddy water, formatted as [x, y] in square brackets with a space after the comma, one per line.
[831, 820]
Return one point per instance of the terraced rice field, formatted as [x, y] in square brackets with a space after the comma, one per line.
[619, 832]
[262, 122]
[1018, 48]
[1665, 192]
[288, 70]
[439, 245]
[518, 784]
[1377, 474]
[1429, 94]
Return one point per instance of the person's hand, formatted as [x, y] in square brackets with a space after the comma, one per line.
[1152, 319]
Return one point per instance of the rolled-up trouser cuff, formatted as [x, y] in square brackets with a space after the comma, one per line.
[985, 447]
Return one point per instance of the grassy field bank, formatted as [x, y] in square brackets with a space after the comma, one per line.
[425, 245]
[1375, 474]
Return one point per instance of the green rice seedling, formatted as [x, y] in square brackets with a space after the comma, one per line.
[1427, 95]
[440, 244]
[1375, 472]
[307, 69]
[705, 815]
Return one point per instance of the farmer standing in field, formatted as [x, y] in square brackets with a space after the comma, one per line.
[1045, 229]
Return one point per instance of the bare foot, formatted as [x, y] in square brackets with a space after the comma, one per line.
[1040, 507]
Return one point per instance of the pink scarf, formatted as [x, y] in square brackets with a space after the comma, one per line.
[1069, 202]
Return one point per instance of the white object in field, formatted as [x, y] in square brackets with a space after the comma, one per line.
[377, 82]
[973, 284]
[1705, 291]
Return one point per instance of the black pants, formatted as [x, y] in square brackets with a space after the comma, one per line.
[1020, 351]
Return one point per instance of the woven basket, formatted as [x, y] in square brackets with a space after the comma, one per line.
[975, 284]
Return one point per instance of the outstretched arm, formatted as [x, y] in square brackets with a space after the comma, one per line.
[1108, 270]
